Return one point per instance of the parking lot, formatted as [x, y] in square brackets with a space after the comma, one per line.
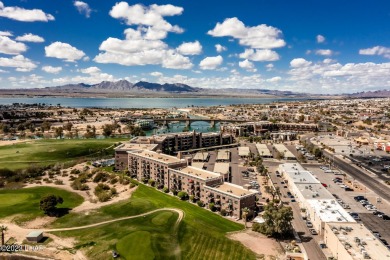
[367, 217]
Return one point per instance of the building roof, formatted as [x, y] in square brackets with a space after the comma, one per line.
[328, 210]
[263, 150]
[222, 168]
[303, 177]
[160, 157]
[197, 165]
[201, 156]
[35, 233]
[198, 173]
[223, 154]
[133, 146]
[233, 190]
[243, 151]
[348, 233]
[281, 148]
[314, 191]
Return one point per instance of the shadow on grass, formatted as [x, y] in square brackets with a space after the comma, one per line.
[59, 212]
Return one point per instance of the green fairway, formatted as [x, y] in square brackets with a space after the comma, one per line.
[137, 245]
[25, 202]
[46, 152]
[201, 234]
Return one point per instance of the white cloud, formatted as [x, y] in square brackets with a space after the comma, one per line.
[19, 62]
[24, 15]
[156, 74]
[148, 16]
[5, 33]
[274, 79]
[50, 69]
[136, 49]
[190, 48]
[333, 77]
[257, 37]
[377, 50]
[90, 70]
[259, 55]
[8, 46]
[320, 38]
[220, 48]
[93, 78]
[247, 65]
[63, 51]
[29, 37]
[299, 62]
[211, 63]
[83, 8]
[270, 67]
[324, 52]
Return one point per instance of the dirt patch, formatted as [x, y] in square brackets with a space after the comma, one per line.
[258, 243]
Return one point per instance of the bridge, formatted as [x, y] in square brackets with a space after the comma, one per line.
[188, 121]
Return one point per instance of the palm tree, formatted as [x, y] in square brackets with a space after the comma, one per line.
[3, 229]
[244, 214]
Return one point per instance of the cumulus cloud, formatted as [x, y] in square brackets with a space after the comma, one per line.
[24, 15]
[90, 70]
[9, 46]
[377, 50]
[320, 38]
[156, 74]
[324, 52]
[220, 48]
[63, 51]
[190, 48]
[259, 55]
[138, 49]
[19, 62]
[151, 16]
[91, 78]
[211, 63]
[5, 33]
[299, 62]
[247, 65]
[335, 77]
[50, 69]
[274, 79]
[257, 37]
[29, 37]
[83, 8]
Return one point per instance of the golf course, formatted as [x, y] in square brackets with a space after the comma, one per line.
[200, 235]
[24, 203]
[52, 151]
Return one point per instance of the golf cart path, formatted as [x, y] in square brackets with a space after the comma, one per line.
[180, 212]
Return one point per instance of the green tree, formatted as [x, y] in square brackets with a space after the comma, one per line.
[277, 221]
[49, 202]
[183, 195]
[59, 132]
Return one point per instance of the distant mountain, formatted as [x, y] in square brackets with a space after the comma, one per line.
[371, 94]
[126, 86]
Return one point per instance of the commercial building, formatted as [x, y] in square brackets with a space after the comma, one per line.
[121, 153]
[263, 151]
[315, 200]
[282, 149]
[223, 155]
[223, 169]
[243, 151]
[201, 157]
[353, 241]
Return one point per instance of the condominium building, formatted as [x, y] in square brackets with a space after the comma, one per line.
[145, 165]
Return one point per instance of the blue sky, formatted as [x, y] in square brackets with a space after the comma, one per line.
[308, 46]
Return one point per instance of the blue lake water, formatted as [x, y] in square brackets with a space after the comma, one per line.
[140, 102]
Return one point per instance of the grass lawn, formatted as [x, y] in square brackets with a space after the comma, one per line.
[201, 234]
[44, 152]
[25, 202]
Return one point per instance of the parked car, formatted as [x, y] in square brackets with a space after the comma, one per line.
[385, 217]
[359, 198]
[323, 184]
[377, 213]
[309, 224]
[313, 231]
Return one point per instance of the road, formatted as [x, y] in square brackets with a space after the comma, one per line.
[361, 176]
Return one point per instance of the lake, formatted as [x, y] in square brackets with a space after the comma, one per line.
[141, 102]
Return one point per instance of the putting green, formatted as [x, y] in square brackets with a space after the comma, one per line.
[136, 245]
[162, 218]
